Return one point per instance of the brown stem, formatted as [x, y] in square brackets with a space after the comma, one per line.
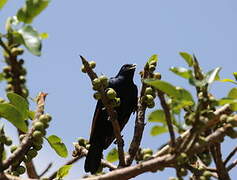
[167, 117]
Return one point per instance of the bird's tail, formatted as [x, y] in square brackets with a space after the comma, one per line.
[93, 158]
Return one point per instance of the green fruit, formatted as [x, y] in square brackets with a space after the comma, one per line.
[25, 92]
[13, 148]
[111, 94]
[182, 158]
[7, 69]
[17, 51]
[92, 64]
[146, 156]
[82, 142]
[97, 95]
[21, 137]
[23, 71]
[45, 118]
[151, 104]
[83, 69]
[21, 61]
[8, 141]
[149, 98]
[39, 126]
[38, 141]
[147, 151]
[15, 173]
[31, 153]
[182, 172]
[22, 79]
[37, 134]
[37, 147]
[9, 87]
[104, 81]
[152, 68]
[96, 84]
[149, 91]
[21, 169]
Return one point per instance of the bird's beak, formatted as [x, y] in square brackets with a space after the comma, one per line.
[133, 66]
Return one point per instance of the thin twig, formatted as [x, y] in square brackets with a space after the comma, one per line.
[232, 165]
[46, 170]
[230, 156]
[167, 117]
[111, 112]
[139, 122]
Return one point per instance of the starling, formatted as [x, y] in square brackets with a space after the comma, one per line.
[102, 134]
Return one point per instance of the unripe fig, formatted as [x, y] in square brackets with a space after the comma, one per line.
[21, 169]
[92, 64]
[97, 95]
[96, 84]
[37, 134]
[83, 69]
[104, 80]
[39, 126]
[148, 90]
[111, 94]
[17, 51]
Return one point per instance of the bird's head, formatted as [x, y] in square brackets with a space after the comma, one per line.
[127, 70]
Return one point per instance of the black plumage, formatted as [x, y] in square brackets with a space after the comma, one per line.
[102, 134]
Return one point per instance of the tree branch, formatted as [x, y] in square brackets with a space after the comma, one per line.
[26, 142]
[111, 112]
[167, 117]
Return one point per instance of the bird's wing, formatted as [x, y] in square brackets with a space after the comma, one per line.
[97, 112]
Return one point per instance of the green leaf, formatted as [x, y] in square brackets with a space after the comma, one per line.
[187, 57]
[10, 113]
[56, 143]
[182, 72]
[63, 171]
[224, 101]
[31, 39]
[20, 103]
[185, 96]
[31, 9]
[112, 156]
[156, 130]
[228, 80]
[212, 75]
[235, 75]
[31, 114]
[157, 116]
[163, 86]
[2, 3]
[233, 93]
[154, 57]
[44, 35]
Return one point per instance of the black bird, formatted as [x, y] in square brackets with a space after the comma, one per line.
[102, 134]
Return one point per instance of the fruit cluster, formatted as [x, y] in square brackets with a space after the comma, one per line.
[149, 96]
[144, 154]
[15, 75]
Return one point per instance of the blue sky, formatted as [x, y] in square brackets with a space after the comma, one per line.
[113, 33]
